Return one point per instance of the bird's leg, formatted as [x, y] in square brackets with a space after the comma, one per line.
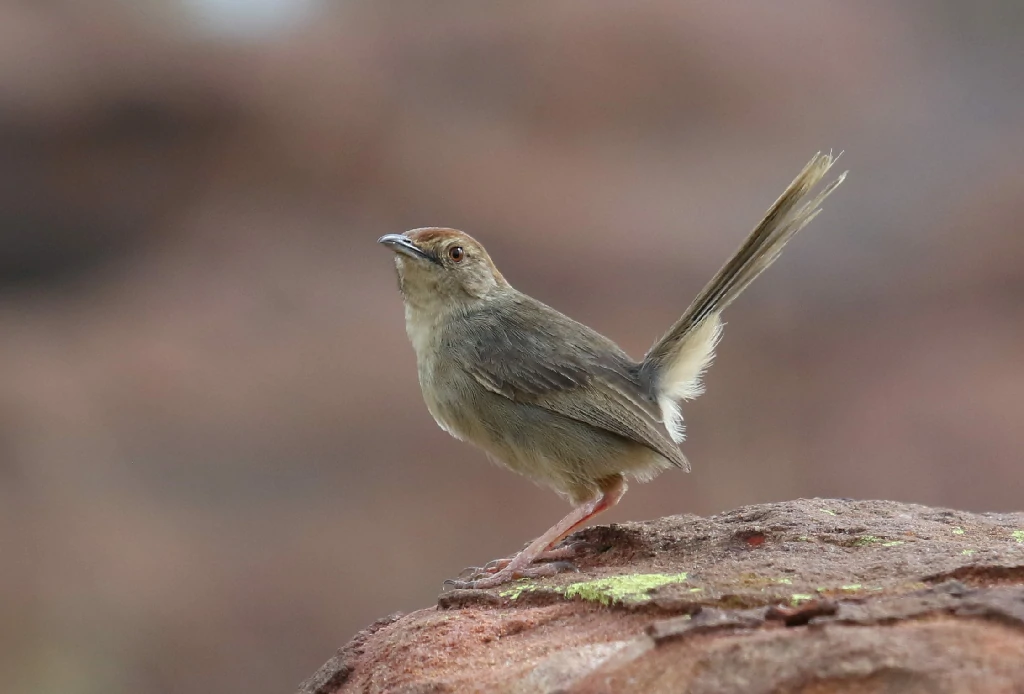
[554, 554]
[521, 566]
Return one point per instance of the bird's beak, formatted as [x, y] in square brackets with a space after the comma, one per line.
[401, 244]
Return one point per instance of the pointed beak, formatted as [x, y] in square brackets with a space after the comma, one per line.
[401, 244]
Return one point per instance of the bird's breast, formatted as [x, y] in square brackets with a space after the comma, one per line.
[450, 395]
[442, 382]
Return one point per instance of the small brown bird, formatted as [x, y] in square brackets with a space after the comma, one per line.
[552, 399]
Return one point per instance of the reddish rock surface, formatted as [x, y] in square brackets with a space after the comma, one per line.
[806, 596]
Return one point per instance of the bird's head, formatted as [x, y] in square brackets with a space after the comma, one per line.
[442, 269]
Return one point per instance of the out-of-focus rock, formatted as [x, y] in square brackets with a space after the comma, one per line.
[815, 595]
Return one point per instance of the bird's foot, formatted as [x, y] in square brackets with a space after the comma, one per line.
[557, 554]
[562, 554]
[510, 572]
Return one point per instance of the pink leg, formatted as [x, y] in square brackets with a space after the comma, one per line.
[520, 566]
[558, 553]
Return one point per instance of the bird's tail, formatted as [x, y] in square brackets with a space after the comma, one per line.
[675, 363]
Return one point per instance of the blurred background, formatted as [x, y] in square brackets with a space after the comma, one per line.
[215, 464]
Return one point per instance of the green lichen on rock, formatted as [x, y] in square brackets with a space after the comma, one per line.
[523, 586]
[614, 590]
[631, 588]
[1018, 535]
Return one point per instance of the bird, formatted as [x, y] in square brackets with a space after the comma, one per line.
[552, 399]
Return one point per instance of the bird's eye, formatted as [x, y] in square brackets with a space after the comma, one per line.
[456, 253]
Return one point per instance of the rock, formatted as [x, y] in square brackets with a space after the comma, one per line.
[814, 595]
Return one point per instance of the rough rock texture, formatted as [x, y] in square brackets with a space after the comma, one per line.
[807, 596]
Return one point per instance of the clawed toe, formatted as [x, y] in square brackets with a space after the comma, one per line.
[508, 574]
[570, 551]
[494, 573]
[496, 565]
[471, 573]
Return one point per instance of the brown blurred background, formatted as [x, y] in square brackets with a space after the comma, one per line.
[215, 465]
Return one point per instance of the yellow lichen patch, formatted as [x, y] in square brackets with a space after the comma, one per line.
[1018, 535]
[797, 598]
[958, 530]
[751, 580]
[523, 586]
[627, 589]
[967, 552]
[631, 588]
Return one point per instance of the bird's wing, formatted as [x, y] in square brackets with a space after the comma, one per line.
[576, 373]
